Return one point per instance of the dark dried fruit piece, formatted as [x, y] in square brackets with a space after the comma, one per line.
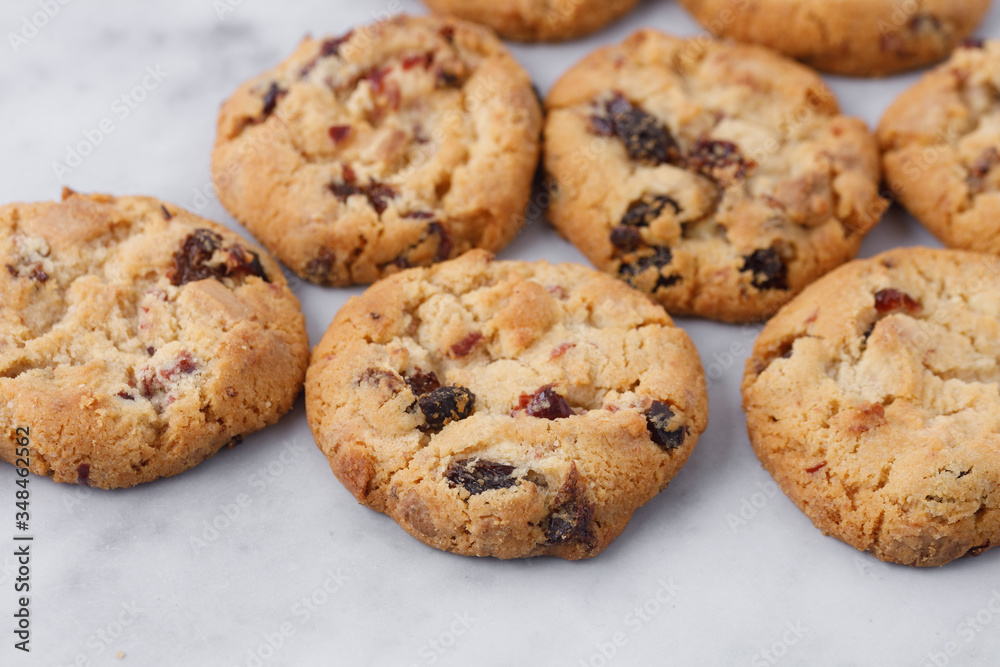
[445, 405]
[547, 404]
[719, 160]
[339, 133]
[646, 139]
[271, 97]
[626, 239]
[445, 244]
[769, 270]
[423, 382]
[973, 43]
[658, 419]
[662, 257]
[319, 267]
[378, 376]
[331, 47]
[891, 299]
[166, 214]
[477, 475]
[415, 59]
[185, 364]
[11, 270]
[378, 194]
[572, 514]
[642, 212]
[191, 262]
[83, 474]
[981, 168]
[125, 395]
[463, 347]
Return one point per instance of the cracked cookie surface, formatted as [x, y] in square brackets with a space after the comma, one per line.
[506, 409]
[537, 20]
[874, 401]
[399, 144]
[719, 178]
[940, 143]
[137, 339]
[852, 37]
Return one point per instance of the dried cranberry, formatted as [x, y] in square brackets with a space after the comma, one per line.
[125, 395]
[423, 382]
[572, 514]
[626, 239]
[769, 270]
[478, 475]
[378, 194]
[11, 270]
[658, 419]
[191, 262]
[646, 139]
[448, 33]
[185, 364]
[38, 274]
[413, 60]
[445, 405]
[339, 133]
[463, 347]
[642, 212]
[547, 404]
[891, 299]
[379, 376]
[331, 47]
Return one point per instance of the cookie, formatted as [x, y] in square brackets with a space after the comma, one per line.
[874, 401]
[537, 20]
[137, 339]
[852, 37]
[398, 144]
[505, 409]
[721, 179]
[940, 140]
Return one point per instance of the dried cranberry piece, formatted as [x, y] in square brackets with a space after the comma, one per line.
[378, 194]
[185, 364]
[445, 405]
[658, 424]
[478, 475]
[38, 274]
[12, 271]
[891, 299]
[463, 347]
[718, 160]
[339, 133]
[646, 139]
[572, 514]
[331, 47]
[423, 382]
[378, 376]
[415, 59]
[547, 404]
[445, 244]
[83, 474]
[644, 211]
[626, 239]
[191, 262]
[271, 97]
[125, 395]
[769, 270]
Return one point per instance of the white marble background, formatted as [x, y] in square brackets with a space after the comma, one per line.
[259, 556]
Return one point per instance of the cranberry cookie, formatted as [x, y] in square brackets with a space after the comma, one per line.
[874, 401]
[719, 178]
[398, 144]
[506, 409]
[537, 20]
[137, 339]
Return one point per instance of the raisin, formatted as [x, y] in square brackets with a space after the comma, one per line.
[378, 194]
[331, 47]
[166, 214]
[646, 139]
[423, 383]
[626, 239]
[12, 271]
[448, 33]
[719, 160]
[463, 347]
[891, 299]
[769, 270]
[125, 395]
[973, 43]
[662, 256]
[478, 475]
[38, 274]
[419, 215]
[445, 244]
[658, 424]
[191, 262]
[547, 404]
[445, 405]
[319, 267]
[83, 474]
[339, 133]
[572, 515]
[271, 99]
[642, 212]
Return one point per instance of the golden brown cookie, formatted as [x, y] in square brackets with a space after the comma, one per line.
[941, 143]
[537, 20]
[874, 401]
[853, 37]
[137, 339]
[506, 409]
[719, 178]
[398, 144]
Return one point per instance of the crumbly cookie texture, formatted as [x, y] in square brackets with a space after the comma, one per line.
[719, 178]
[941, 143]
[853, 37]
[506, 409]
[398, 144]
[137, 339]
[537, 20]
[874, 401]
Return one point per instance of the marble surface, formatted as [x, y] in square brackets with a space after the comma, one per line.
[259, 557]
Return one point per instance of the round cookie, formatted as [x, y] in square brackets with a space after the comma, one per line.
[719, 178]
[398, 144]
[940, 140]
[137, 339]
[506, 409]
[537, 20]
[874, 401]
[852, 37]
